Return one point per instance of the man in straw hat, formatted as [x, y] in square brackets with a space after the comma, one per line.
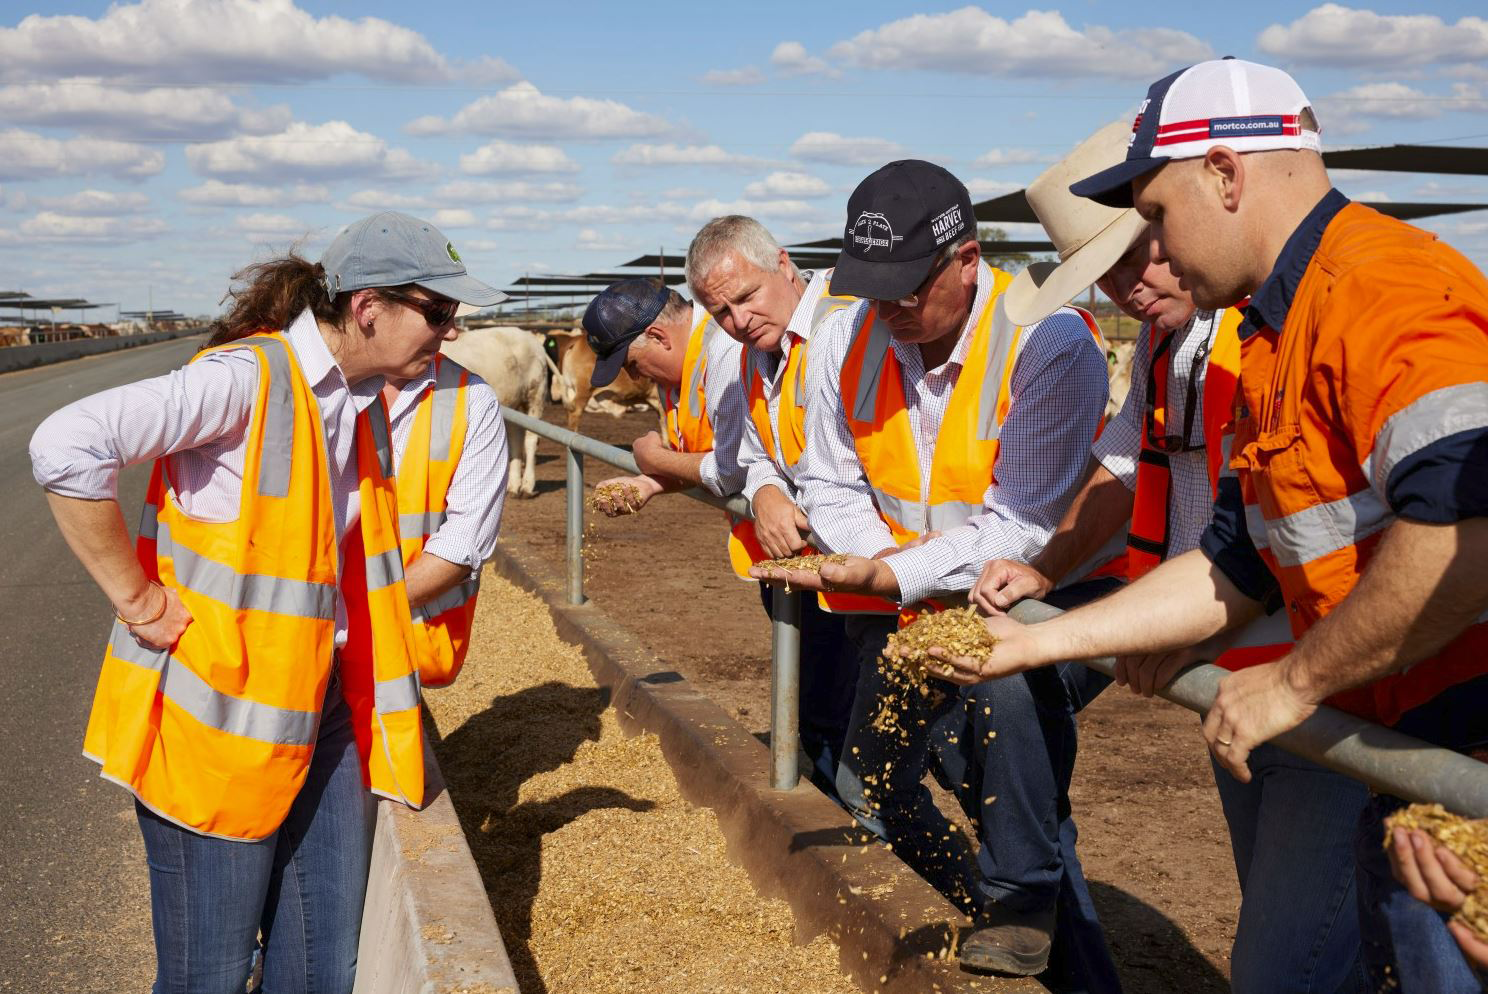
[1355, 496]
[939, 435]
[1157, 464]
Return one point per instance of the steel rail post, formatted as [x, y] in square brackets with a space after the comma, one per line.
[785, 687]
[1386, 760]
[575, 526]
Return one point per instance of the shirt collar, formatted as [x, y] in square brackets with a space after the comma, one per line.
[319, 366]
[1270, 304]
[799, 324]
[411, 392]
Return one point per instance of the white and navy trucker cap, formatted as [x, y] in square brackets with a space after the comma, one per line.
[1242, 105]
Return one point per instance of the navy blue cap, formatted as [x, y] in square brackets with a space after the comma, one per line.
[898, 218]
[617, 317]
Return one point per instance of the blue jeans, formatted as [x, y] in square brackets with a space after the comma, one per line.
[1406, 943]
[828, 677]
[1292, 829]
[301, 887]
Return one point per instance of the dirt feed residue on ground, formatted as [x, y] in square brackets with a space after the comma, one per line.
[602, 877]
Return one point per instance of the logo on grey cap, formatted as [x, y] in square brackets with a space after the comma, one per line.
[872, 230]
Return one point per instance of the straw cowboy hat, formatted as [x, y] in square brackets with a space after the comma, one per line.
[1089, 237]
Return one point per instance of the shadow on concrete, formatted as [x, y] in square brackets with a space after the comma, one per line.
[1150, 950]
[486, 761]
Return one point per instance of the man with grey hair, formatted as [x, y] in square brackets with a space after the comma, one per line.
[739, 272]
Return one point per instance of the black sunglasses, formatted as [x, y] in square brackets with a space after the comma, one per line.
[1174, 443]
[437, 311]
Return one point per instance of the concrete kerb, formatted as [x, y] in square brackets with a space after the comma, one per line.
[427, 926]
[16, 357]
[896, 933]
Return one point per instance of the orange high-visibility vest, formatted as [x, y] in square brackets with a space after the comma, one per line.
[743, 548]
[689, 428]
[441, 627]
[1386, 333]
[962, 467]
[1267, 637]
[215, 734]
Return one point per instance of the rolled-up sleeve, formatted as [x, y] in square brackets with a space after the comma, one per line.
[477, 491]
[79, 450]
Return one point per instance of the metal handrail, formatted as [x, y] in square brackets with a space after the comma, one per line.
[785, 630]
[1378, 756]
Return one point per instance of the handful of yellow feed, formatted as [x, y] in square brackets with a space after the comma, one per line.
[959, 631]
[800, 564]
[1468, 841]
[615, 496]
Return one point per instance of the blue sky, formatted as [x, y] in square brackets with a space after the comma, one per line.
[152, 148]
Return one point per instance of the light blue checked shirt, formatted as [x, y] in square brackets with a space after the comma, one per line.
[1059, 387]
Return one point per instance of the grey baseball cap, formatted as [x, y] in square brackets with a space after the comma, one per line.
[393, 249]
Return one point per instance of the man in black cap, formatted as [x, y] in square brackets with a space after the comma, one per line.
[939, 434]
[653, 331]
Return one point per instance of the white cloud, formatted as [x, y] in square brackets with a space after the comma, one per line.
[521, 110]
[1335, 35]
[309, 151]
[27, 155]
[685, 155]
[100, 108]
[745, 76]
[224, 40]
[784, 208]
[990, 187]
[1011, 157]
[792, 59]
[590, 240]
[513, 158]
[96, 203]
[215, 193]
[1039, 43]
[788, 184]
[272, 229]
[828, 146]
[51, 226]
[1348, 111]
[509, 191]
[453, 218]
[385, 200]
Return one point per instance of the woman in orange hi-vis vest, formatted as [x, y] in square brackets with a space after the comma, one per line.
[259, 685]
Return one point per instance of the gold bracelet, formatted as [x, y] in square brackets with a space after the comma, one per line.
[164, 601]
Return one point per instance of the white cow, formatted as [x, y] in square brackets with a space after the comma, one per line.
[1119, 359]
[512, 362]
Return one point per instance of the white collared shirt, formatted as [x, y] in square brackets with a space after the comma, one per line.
[477, 490]
[198, 416]
[765, 464]
[1059, 388]
[727, 410]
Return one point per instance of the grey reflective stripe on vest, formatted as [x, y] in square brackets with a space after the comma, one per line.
[247, 591]
[234, 715]
[910, 515]
[397, 694]
[1429, 418]
[1255, 527]
[1000, 355]
[149, 526]
[871, 372]
[826, 304]
[951, 513]
[384, 570]
[694, 385]
[377, 420]
[1316, 531]
[459, 594]
[1268, 629]
[420, 523]
[277, 455]
[442, 420]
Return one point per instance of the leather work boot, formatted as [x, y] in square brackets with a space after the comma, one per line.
[1007, 941]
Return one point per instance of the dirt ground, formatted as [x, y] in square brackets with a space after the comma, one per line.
[1152, 839]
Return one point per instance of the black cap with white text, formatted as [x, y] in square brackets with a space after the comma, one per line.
[897, 220]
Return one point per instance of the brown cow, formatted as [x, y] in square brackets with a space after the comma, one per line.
[575, 361]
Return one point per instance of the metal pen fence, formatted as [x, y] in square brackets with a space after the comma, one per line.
[1382, 758]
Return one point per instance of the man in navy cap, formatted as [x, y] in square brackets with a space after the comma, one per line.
[940, 435]
[653, 331]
